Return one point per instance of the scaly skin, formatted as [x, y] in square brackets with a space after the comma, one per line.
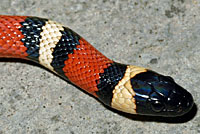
[126, 88]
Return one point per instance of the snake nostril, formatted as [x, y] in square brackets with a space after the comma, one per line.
[180, 109]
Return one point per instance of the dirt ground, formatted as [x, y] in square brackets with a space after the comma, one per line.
[163, 35]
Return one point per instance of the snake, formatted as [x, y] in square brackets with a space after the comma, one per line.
[127, 88]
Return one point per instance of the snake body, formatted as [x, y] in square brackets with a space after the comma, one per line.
[127, 88]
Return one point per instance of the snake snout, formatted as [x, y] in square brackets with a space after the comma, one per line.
[180, 101]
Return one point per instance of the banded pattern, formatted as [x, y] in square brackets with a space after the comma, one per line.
[50, 36]
[124, 87]
[123, 94]
[84, 66]
[66, 45]
[31, 29]
[108, 80]
[56, 47]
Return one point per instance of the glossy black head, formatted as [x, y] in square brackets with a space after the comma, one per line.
[159, 95]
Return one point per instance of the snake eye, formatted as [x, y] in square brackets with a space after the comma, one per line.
[156, 102]
[157, 106]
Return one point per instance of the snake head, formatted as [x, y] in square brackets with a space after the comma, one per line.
[137, 90]
[159, 95]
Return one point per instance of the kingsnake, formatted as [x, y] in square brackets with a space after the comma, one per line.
[127, 88]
